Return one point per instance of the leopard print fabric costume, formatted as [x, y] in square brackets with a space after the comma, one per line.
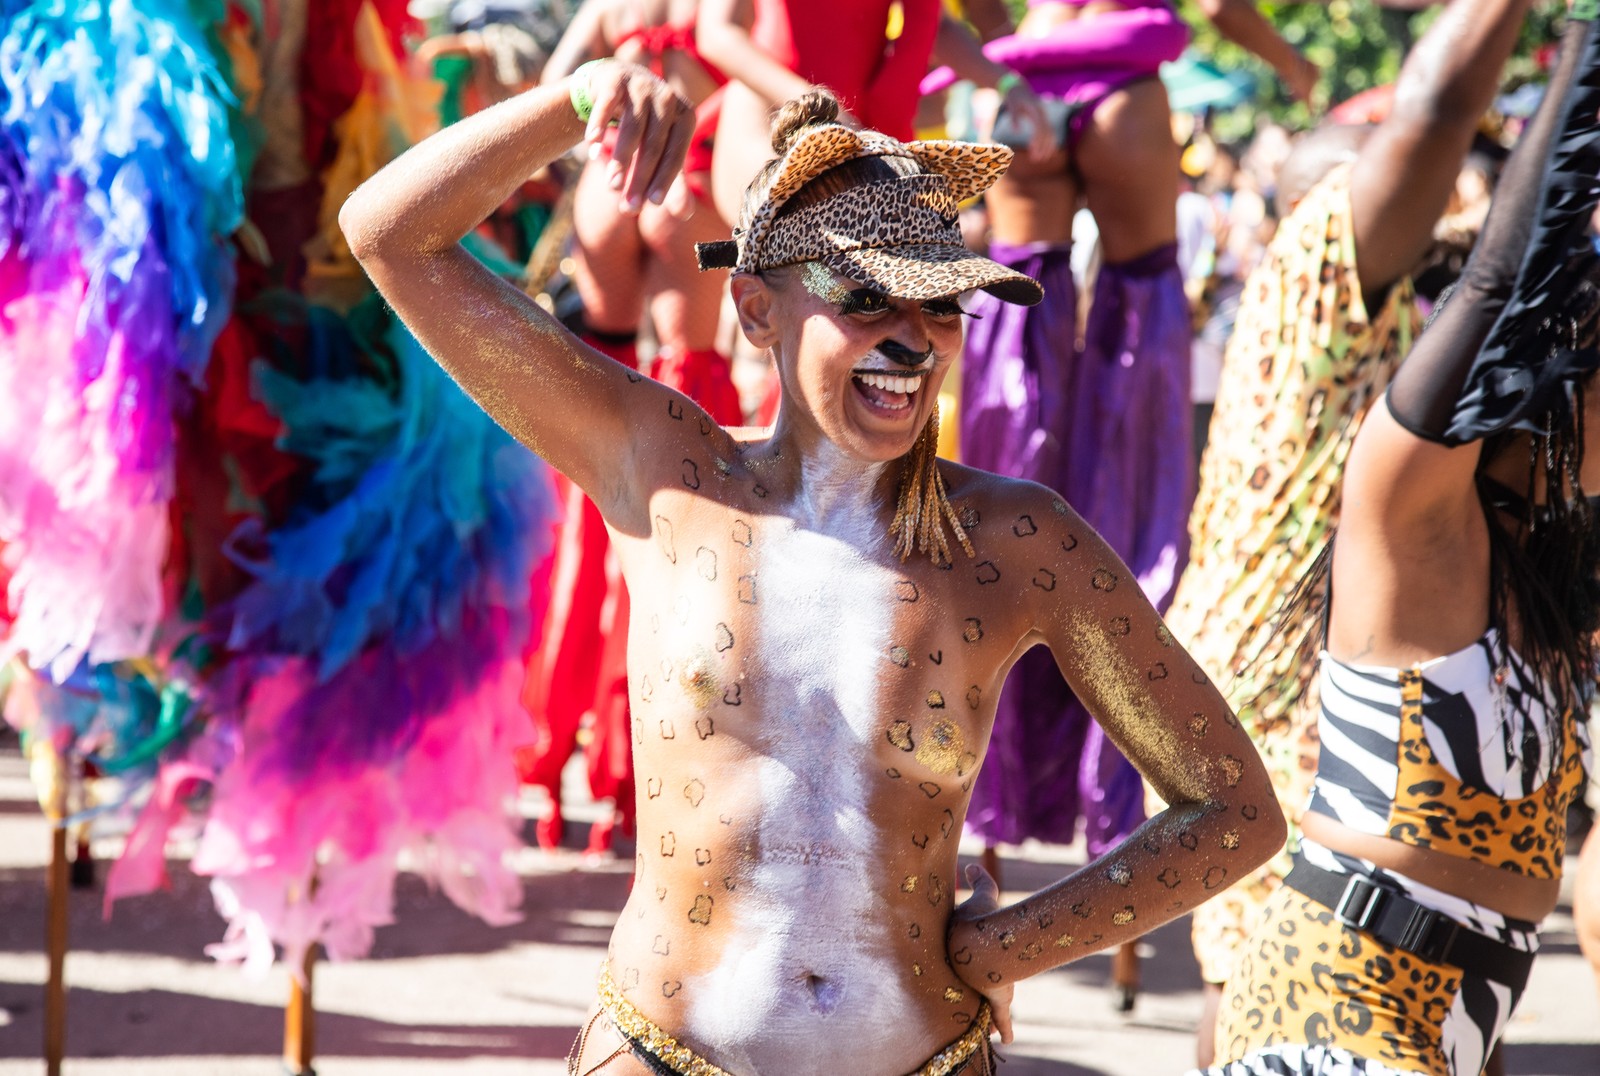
[1312, 996]
[1458, 755]
[1433, 808]
[1306, 360]
[968, 168]
[900, 236]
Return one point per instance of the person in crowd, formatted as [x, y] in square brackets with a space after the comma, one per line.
[1455, 611]
[823, 611]
[625, 266]
[1099, 419]
[872, 54]
[1323, 322]
[625, 263]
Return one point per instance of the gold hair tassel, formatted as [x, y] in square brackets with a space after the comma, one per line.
[924, 506]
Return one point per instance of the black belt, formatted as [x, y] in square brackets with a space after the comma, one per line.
[1395, 919]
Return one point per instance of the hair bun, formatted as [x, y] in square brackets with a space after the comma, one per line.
[810, 109]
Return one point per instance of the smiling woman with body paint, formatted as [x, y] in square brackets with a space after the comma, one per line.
[822, 613]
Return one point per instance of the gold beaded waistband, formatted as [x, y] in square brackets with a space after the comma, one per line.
[678, 1057]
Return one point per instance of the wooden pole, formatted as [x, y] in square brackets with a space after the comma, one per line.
[300, 1022]
[57, 886]
[82, 859]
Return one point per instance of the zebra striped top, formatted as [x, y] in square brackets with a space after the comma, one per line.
[1458, 754]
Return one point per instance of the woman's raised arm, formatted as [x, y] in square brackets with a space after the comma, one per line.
[1409, 468]
[581, 411]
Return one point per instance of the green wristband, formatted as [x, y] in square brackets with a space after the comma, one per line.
[1007, 82]
[1584, 10]
[578, 88]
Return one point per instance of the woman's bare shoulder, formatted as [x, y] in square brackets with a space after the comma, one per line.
[992, 498]
[1028, 531]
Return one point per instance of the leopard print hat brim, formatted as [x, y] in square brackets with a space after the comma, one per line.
[901, 236]
[923, 271]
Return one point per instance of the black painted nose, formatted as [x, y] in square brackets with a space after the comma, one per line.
[903, 355]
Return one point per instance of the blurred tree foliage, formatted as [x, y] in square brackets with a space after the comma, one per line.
[1356, 43]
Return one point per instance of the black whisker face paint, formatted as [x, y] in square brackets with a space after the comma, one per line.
[898, 353]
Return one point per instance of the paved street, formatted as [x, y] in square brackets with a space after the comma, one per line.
[442, 993]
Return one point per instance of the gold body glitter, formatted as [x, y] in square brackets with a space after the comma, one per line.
[818, 279]
[697, 679]
[1121, 687]
[941, 748]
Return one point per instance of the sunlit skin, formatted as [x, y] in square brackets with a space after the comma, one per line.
[625, 261]
[809, 711]
[1424, 591]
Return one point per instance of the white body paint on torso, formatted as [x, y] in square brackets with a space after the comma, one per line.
[807, 960]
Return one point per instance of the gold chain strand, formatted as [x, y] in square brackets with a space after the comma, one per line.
[924, 505]
[681, 1059]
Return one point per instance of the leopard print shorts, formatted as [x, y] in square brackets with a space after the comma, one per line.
[1311, 996]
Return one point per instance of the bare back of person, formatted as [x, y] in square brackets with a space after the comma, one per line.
[628, 263]
[1124, 164]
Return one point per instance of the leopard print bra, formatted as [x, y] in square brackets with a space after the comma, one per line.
[1458, 755]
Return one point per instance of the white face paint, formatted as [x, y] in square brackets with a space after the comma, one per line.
[807, 955]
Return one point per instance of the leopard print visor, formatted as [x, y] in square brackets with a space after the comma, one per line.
[901, 236]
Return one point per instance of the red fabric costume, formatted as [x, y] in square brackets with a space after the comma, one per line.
[657, 41]
[844, 45]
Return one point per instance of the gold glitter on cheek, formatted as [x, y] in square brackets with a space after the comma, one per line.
[941, 747]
